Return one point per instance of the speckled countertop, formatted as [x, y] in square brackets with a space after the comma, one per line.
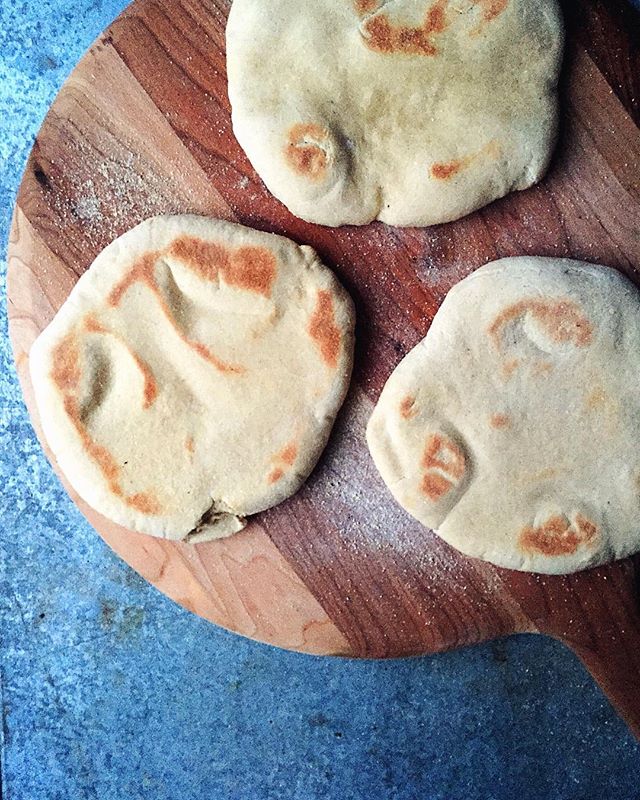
[111, 691]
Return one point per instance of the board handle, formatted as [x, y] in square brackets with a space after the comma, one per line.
[607, 637]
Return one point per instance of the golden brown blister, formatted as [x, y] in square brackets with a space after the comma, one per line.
[383, 36]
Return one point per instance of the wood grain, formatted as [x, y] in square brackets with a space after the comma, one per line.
[141, 127]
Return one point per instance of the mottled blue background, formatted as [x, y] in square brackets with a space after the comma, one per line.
[110, 691]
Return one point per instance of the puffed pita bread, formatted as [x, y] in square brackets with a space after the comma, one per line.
[193, 375]
[512, 429]
[413, 112]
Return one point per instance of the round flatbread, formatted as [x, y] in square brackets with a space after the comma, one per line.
[512, 429]
[413, 112]
[193, 375]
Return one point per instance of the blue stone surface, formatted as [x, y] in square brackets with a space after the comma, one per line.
[110, 691]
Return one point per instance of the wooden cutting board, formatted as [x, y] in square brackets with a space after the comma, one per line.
[142, 127]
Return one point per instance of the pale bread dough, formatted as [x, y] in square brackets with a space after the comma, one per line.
[512, 429]
[193, 375]
[413, 112]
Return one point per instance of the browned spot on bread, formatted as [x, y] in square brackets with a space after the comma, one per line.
[101, 455]
[150, 386]
[66, 364]
[500, 421]
[189, 444]
[435, 486]
[561, 320]
[203, 351]
[143, 271]
[493, 8]
[558, 536]
[93, 324]
[444, 464]
[323, 329]
[443, 453]
[103, 458]
[407, 407]
[289, 454]
[275, 475]
[445, 170]
[366, 6]
[67, 374]
[145, 503]
[383, 37]
[490, 10]
[306, 149]
[283, 460]
[206, 259]
[251, 268]
[586, 528]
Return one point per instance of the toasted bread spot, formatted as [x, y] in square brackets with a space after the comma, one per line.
[189, 444]
[323, 329]
[366, 6]
[93, 325]
[145, 503]
[500, 421]
[558, 536]
[207, 259]
[67, 374]
[306, 150]
[252, 268]
[203, 351]
[443, 171]
[103, 458]
[275, 475]
[289, 454]
[282, 460]
[444, 464]
[586, 528]
[143, 271]
[443, 453]
[383, 37]
[561, 320]
[407, 407]
[490, 10]
[150, 386]
[435, 486]
[66, 364]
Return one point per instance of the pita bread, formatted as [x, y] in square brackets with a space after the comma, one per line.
[193, 375]
[413, 112]
[512, 429]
